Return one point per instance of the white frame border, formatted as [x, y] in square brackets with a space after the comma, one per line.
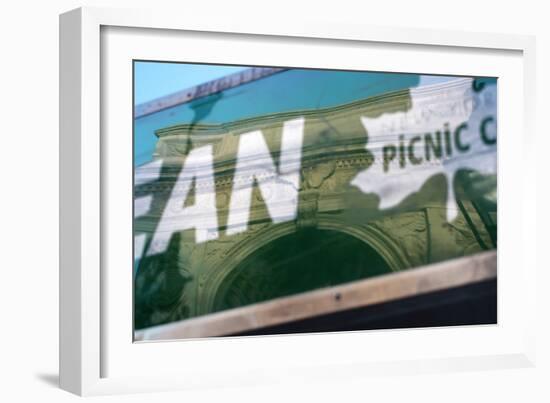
[80, 164]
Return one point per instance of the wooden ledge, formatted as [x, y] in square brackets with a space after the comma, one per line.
[390, 287]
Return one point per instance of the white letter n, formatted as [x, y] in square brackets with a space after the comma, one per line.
[202, 216]
[279, 189]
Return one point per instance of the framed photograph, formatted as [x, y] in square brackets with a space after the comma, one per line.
[243, 202]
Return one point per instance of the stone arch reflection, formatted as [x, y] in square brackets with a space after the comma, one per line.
[301, 261]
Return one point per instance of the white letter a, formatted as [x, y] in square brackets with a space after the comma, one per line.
[202, 216]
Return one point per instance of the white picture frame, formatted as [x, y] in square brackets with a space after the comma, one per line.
[97, 355]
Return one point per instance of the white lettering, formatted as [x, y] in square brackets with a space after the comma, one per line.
[144, 174]
[202, 215]
[279, 189]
